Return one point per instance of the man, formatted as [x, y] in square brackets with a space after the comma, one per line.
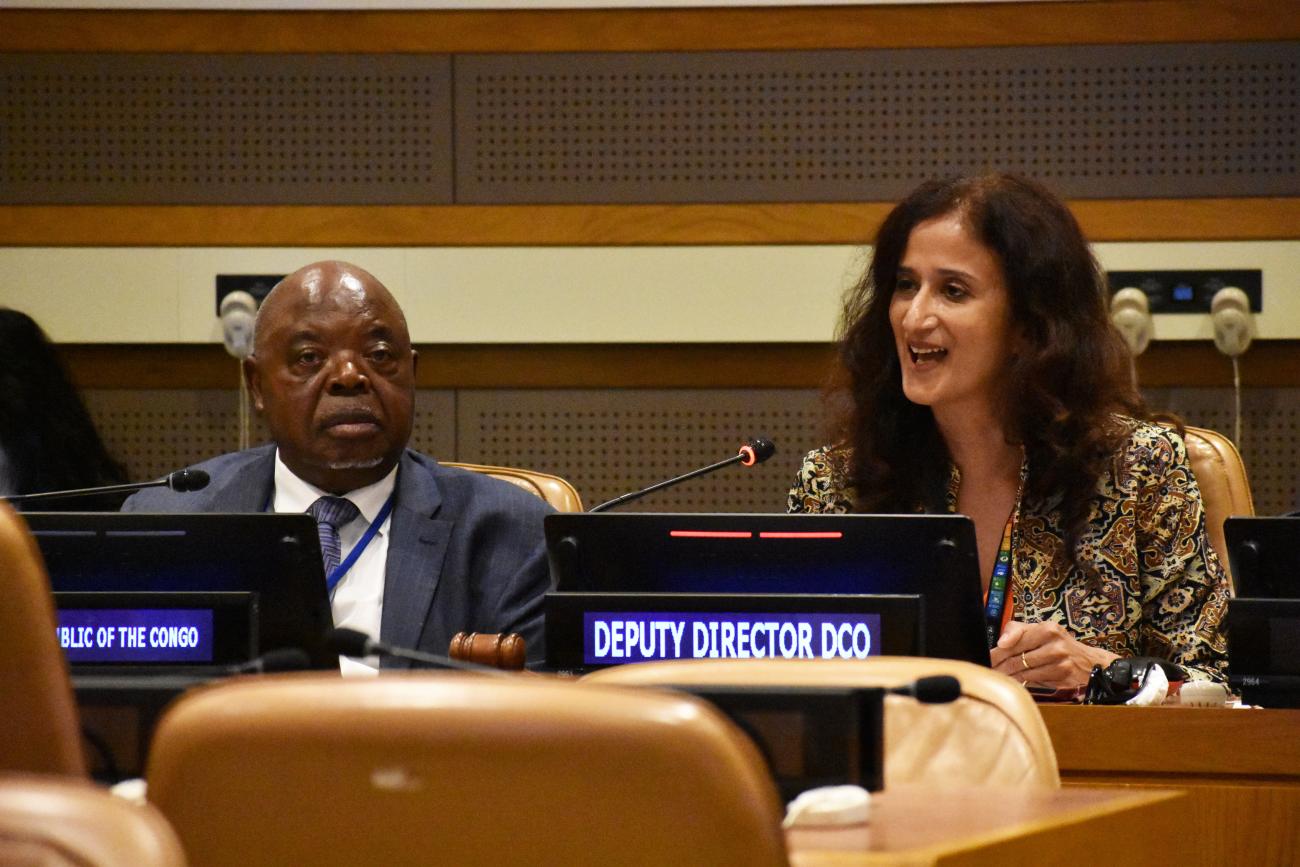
[423, 551]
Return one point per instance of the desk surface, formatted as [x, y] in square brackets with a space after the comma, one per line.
[1001, 827]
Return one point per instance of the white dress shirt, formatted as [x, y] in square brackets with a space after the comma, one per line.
[358, 599]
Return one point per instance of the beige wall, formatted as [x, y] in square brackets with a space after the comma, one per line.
[551, 294]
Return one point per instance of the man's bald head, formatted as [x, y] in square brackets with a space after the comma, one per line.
[329, 280]
[333, 374]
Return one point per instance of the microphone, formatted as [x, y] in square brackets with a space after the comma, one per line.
[752, 452]
[350, 642]
[280, 659]
[181, 481]
[936, 689]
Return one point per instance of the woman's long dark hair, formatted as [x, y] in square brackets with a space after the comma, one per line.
[49, 441]
[1065, 384]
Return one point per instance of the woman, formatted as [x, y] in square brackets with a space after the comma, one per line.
[47, 440]
[983, 377]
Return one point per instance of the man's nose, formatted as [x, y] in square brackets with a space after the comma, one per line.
[347, 375]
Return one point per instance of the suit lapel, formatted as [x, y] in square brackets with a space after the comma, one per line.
[249, 489]
[416, 550]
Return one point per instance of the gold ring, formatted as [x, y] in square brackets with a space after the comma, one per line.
[1024, 661]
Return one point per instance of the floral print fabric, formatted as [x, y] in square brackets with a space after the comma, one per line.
[1161, 590]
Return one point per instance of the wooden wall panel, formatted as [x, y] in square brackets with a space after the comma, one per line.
[886, 26]
[579, 225]
[893, 26]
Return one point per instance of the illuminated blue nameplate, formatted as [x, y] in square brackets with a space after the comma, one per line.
[133, 635]
[611, 637]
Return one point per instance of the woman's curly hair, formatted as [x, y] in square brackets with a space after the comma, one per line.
[1066, 385]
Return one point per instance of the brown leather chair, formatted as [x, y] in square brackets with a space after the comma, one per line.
[992, 736]
[50, 822]
[39, 728]
[410, 769]
[562, 496]
[1221, 476]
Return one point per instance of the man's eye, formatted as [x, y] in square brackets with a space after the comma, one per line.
[309, 357]
[381, 355]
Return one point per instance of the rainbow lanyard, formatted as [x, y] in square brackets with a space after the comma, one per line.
[996, 604]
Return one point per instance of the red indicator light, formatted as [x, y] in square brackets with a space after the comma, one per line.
[811, 535]
[711, 534]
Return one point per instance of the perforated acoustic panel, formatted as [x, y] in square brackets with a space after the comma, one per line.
[1093, 121]
[155, 432]
[238, 129]
[1270, 435]
[610, 442]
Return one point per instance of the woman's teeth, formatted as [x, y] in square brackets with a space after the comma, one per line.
[919, 355]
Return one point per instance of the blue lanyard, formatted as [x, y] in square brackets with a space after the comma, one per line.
[342, 569]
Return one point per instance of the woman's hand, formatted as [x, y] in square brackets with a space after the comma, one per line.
[1045, 653]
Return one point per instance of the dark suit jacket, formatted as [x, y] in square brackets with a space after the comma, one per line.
[465, 551]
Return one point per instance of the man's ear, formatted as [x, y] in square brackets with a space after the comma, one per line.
[253, 379]
[415, 361]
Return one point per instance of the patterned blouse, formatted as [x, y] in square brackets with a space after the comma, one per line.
[1163, 591]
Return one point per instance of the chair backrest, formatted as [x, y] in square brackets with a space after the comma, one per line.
[458, 769]
[562, 496]
[1221, 476]
[50, 821]
[39, 728]
[993, 735]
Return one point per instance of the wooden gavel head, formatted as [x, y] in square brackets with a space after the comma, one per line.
[499, 650]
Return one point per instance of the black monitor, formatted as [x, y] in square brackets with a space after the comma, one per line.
[1264, 554]
[1264, 651]
[192, 591]
[809, 736]
[930, 557]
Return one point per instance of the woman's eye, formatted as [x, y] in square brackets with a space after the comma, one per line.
[954, 291]
[904, 284]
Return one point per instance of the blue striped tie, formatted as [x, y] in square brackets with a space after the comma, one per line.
[330, 514]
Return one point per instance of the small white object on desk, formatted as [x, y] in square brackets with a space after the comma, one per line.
[829, 806]
[1203, 693]
[134, 790]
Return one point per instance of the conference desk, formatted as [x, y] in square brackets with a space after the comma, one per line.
[119, 714]
[1081, 826]
[1240, 769]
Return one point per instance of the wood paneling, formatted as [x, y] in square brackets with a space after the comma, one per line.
[1197, 742]
[1240, 769]
[547, 225]
[1274, 363]
[897, 26]
[723, 28]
